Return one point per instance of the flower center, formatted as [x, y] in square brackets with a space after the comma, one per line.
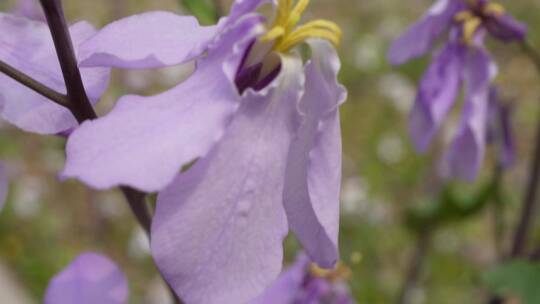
[472, 18]
[262, 63]
[285, 34]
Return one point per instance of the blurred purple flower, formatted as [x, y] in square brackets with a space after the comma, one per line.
[303, 283]
[462, 59]
[27, 45]
[91, 278]
[4, 184]
[265, 131]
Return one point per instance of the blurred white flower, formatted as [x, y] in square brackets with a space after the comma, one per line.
[399, 90]
[28, 194]
[367, 54]
[139, 245]
[111, 204]
[390, 149]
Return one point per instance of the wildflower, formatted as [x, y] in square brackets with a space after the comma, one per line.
[4, 184]
[305, 283]
[264, 128]
[91, 278]
[463, 59]
[27, 45]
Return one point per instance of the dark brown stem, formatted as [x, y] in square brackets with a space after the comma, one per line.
[415, 267]
[35, 85]
[519, 243]
[531, 191]
[80, 105]
[139, 207]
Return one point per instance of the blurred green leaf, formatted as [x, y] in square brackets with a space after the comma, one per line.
[204, 10]
[517, 278]
[450, 206]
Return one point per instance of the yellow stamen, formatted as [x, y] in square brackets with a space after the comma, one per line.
[340, 273]
[274, 33]
[494, 8]
[285, 33]
[463, 16]
[469, 29]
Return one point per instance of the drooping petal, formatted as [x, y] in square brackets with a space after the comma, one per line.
[27, 45]
[313, 180]
[421, 36]
[218, 230]
[437, 93]
[91, 278]
[4, 184]
[149, 40]
[466, 153]
[505, 27]
[145, 141]
[287, 287]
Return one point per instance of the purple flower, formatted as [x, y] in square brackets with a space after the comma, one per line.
[265, 131]
[91, 278]
[462, 61]
[27, 45]
[4, 184]
[304, 283]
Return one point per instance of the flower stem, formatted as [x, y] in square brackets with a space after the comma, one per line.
[35, 85]
[530, 199]
[415, 267]
[80, 105]
[531, 191]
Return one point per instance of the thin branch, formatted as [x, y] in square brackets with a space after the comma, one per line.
[80, 105]
[530, 198]
[139, 207]
[415, 267]
[35, 85]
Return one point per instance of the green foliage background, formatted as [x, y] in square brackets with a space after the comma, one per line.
[389, 190]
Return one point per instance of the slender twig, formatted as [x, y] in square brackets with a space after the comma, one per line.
[415, 267]
[530, 198]
[35, 85]
[136, 201]
[531, 191]
[81, 107]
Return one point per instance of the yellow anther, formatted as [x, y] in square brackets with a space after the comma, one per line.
[273, 34]
[469, 29]
[464, 16]
[285, 33]
[340, 273]
[494, 8]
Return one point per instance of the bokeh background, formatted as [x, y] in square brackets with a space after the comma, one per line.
[46, 223]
